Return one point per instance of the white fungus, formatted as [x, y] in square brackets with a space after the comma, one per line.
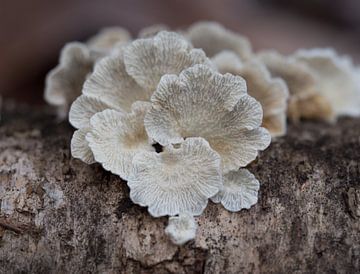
[272, 93]
[147, 60]
[80, 147]
[80, 113]
[64, 82]
[115, 137]
[179, 179]
[128, 95]
[83, 108]
[108, 37]
[152, 30]
[127, 76]
[336, 79]
[203, 103]
[214, 38]
[305, 100]
[111, 84]
[181, 228]
[240, 190]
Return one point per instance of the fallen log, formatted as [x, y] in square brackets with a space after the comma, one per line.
[59, 215]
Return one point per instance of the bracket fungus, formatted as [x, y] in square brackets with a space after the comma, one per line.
[152, 30]
[214, 38]
[64, 83]
[147, 60]
[210, 117]
[271, 92]
[336, 79]
[240, 190]
[322, 84]
[115, 138]
[82, 109]
[181, 229]
[177, 180]
[203, 103]
[128, 76]
[304, 100]
[107, 38]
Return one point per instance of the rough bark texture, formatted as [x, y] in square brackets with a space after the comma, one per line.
[59, 215]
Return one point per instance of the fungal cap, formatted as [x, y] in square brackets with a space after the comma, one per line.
[83, 108]
[80, 147]
[152, 30]
[214, 38]
[306, 99]
[111, 84]
[272, 93]
[181, 228]
[240, 190]
[298, 77]
[115, 137]
[336, 79]
[227, 61]
[176, 180]
[203, 103]
[108, 37]
[147, 60]
[63, 83]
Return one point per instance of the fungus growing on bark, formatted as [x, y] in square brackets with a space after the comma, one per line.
[132, 96]
[240, 190]
[181, 228]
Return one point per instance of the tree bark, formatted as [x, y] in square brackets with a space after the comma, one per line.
[59, 215]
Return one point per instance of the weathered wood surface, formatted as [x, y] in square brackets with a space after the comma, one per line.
[59, 215]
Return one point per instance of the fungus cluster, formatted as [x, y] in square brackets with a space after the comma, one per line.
[203, 98]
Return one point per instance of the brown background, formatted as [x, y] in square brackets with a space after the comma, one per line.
[33, 32]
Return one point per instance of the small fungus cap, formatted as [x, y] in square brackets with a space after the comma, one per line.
[214, 38]
[111, 84]
[240, 190]
[335, 77]
[302, 85]
[81, 111]
[176, 180]
[152, 30]
[115, 138]
[272, 93]
[181, 228]
[108, 37]
[64, 82]
[300, 80]
[147, 60]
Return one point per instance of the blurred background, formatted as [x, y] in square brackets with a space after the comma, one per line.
[34, 31]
